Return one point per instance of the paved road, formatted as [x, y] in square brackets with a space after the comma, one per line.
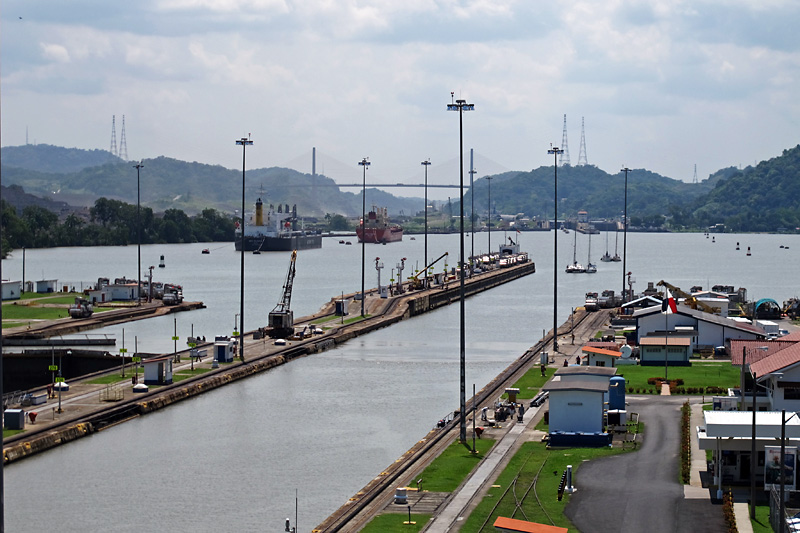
[640, 491]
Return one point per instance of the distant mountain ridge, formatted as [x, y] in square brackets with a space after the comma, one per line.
[169, 183]
[761, 198]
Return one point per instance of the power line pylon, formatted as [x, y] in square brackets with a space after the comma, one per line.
[582, 153]
[113, 148]
[123, 143]
[563, 158]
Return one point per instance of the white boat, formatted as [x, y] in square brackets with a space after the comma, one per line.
[606, 256]
[575, 267]
[616, 257]
[591, 268]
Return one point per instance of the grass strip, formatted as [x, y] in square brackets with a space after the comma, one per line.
[533, 462]
[397, 523]
[447, 471]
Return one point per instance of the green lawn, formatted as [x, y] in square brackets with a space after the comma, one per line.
[761, 522]
[113, 378]
[531, 382]
[33, 312]
[11, 432]
[532, 463]
[722, 375]
[447, 471]
[397, 523]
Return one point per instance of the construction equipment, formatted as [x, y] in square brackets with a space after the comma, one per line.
[281, 318]
[791, 308]
[418, 284]
[82, 308]
[688, 299]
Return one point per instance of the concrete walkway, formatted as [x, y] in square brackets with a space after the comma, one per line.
[454, 509]
[695, 488]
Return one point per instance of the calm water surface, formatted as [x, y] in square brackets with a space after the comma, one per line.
[325, 424]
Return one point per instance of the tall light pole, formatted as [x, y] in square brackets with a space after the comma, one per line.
[555, 150]
[489, 217]
[138, 167]
[244, 142]
[625, 234]
[472, 172]
[364, 163]
[461, 106]
[426, 163]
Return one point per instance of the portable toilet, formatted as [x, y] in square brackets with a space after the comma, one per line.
[616, 393]
[341, 307]
[14, 419]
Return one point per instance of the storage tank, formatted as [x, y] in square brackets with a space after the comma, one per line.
[616, 393]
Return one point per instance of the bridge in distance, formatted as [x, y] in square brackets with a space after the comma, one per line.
[381, 185]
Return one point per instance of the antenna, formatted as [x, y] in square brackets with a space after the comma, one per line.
[582, 153]
[123, 143]
[563, 159]
[695, 174]
[113, 148]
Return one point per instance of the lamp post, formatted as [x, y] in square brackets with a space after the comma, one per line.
[426, 163]
[753, 434]
[625, 234]
[472, 172]
[555, 150]
[244, 142]
[489, 217]
[364, 163]
[138, 167]
[61, 378]
[782, 518]
[461, 106]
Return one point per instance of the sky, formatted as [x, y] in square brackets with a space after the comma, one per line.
[663, 85]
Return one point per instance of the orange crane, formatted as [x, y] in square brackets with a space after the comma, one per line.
[688, 299]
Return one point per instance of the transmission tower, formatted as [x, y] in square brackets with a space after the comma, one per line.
[695, 174]
[563, 158]
[123, 144]
[582, 153]
[113, 149]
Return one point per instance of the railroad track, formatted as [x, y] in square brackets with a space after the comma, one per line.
[370, 500]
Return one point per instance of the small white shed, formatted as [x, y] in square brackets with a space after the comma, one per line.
[158, 371]
[12, 290]
[46, 285]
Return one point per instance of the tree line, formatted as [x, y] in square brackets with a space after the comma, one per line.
[110, 223]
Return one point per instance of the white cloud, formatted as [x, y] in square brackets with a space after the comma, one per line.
[55, 52]
[654, 79]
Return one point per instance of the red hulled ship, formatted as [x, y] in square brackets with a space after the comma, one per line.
[378, 229]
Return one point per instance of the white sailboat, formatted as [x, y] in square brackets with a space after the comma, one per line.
[616, 257]
[575, 267]
[590, 268]
[606, 257]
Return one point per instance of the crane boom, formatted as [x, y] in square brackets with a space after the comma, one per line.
[281, 319]
[690, 300]
[286, 299]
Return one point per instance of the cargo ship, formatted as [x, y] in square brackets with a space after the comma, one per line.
[275, 231]
[378, 229]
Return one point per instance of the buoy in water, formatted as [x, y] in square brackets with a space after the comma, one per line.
[748, 250]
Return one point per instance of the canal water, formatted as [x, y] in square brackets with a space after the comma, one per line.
[326, 424]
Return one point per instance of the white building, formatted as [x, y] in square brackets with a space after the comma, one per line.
[712, 330]
[12, 290]
[576, 406]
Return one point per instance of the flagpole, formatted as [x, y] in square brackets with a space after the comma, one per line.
[666, 344]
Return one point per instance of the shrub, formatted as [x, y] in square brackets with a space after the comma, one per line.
[727, 512]
[686, 443]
